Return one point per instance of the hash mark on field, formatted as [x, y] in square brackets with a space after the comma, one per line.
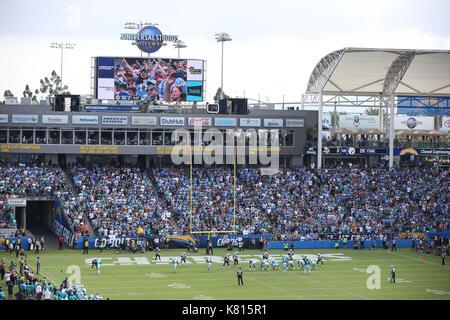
[155, 275]
[179, 286]
[202, 297]
[436, 291]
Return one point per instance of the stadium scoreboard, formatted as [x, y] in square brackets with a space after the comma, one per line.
[143, 79]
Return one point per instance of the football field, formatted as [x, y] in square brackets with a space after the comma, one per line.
[347, 274]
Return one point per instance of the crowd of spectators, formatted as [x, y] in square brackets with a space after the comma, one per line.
[302, 203]
[212, 200]
[313, 203]
[118, 201]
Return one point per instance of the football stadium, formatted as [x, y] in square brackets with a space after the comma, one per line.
[144, 190]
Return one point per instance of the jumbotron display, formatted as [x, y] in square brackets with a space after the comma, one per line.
[151, 79]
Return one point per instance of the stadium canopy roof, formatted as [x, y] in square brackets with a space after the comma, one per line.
[368, 72]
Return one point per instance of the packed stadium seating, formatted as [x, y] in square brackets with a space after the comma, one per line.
[129, 201]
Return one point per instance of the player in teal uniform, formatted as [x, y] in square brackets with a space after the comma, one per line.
[175, 264]
[275, 265]
[208, 263]
[284, 263]
[252, 264]
[307, 265]
[99, 264]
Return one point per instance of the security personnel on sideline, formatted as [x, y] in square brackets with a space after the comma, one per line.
[86, 247]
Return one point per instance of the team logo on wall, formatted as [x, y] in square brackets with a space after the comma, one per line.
[351, 150]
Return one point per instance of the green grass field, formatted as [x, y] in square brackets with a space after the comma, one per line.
[344, 276]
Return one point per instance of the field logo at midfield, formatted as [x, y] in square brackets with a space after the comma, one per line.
[374, 281]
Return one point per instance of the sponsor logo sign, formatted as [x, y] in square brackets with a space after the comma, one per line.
[250, 122]
[445, 124]
[115, 120]
[225, 122]
[84, 119]
[172, 121]
[25, 118]
[295, 123]
[197, 121]
[55, 119]
[413, 123]
[353, 122]
[144, 121]
[273, 123]
[17, 202]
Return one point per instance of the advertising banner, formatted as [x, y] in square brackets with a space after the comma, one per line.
[250, 122]
[413, 123]
[225, 122]
[445, 124]
[295, 123]
[172, 121]
[112, 108]
[273, 123]
[61, 226]
[55, 119]
[355, 122]
[115, 120]
[326, 122]
[144, 121]
[436, 106]
[421, 152]
[198, 121]
[25, 118]
[4, 118]
[84, 119]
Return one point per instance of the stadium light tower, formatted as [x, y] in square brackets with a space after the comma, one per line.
[179, 44]
[222, 37]
[62, 46]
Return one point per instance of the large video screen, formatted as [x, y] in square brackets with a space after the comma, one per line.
[151, 79]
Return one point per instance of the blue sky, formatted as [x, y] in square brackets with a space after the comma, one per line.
[276, 44]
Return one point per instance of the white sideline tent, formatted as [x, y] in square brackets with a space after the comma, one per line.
[380, 72]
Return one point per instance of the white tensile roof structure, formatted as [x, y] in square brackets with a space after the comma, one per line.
[361, 71]
[381, 72]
